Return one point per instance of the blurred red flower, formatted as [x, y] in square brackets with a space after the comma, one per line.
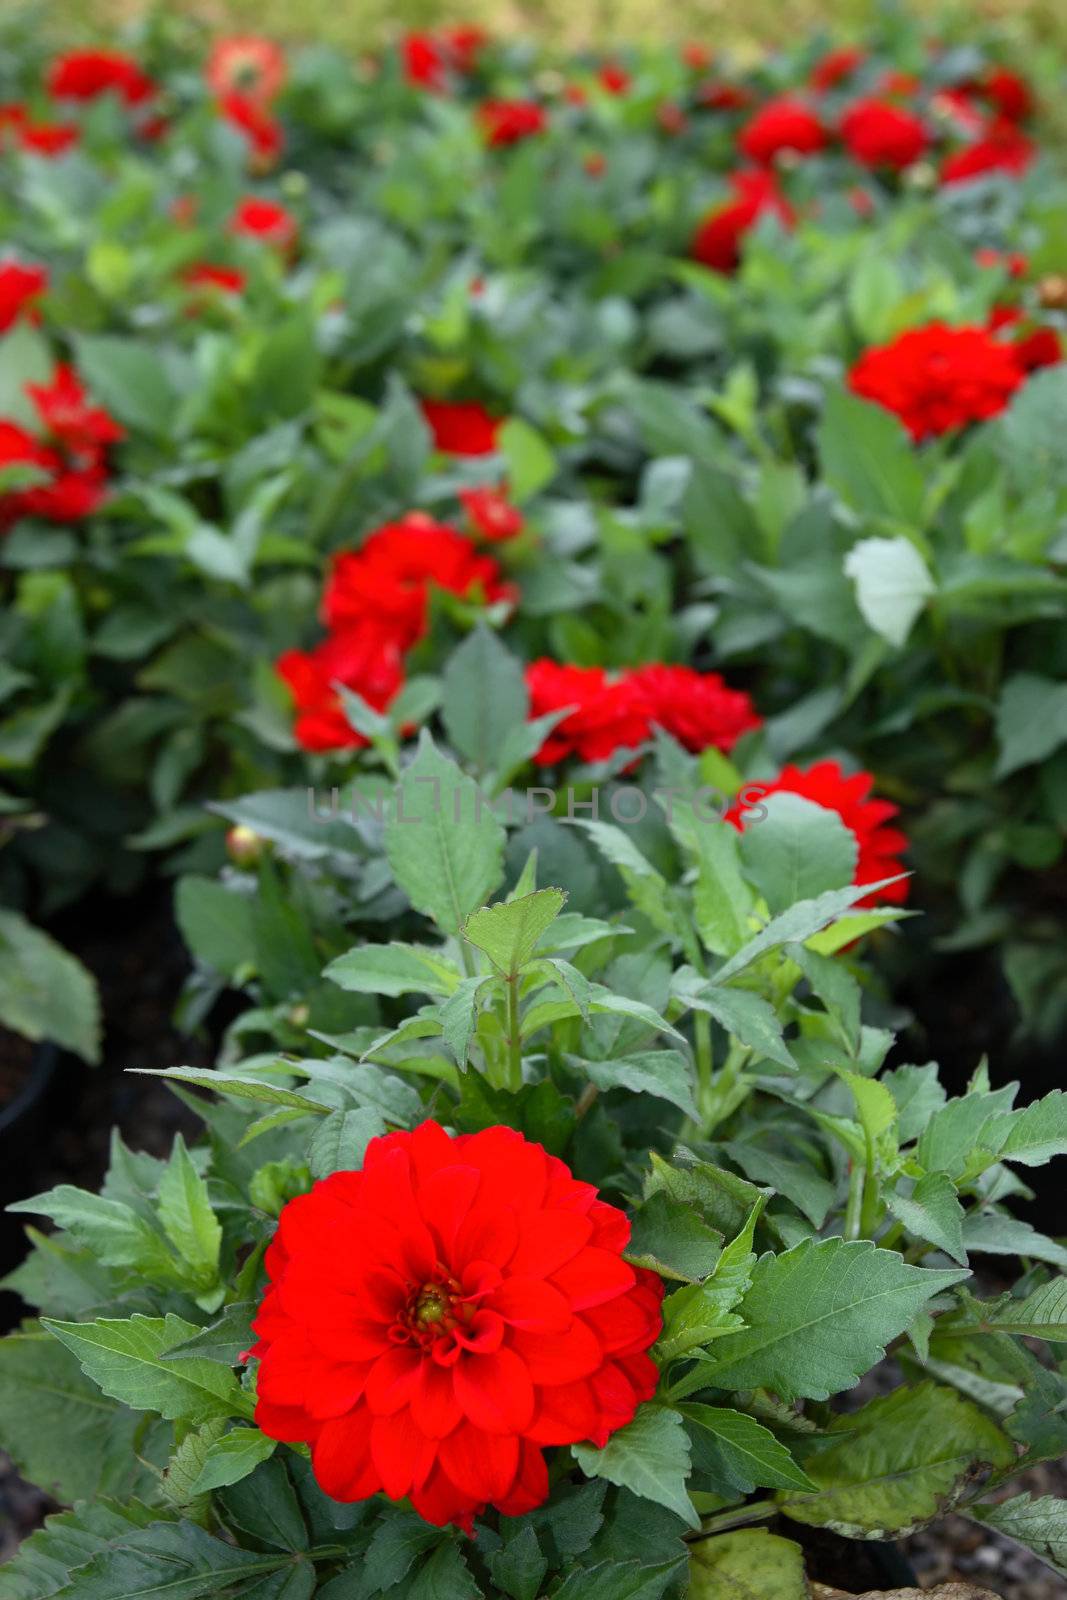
[248, 66]
[506, 122]
[1003, 148]
[717, 241]
[86, 74]
[880, 846]
[435, 1320]
[262, 132]
[20, 286]
[699, 709]
[67, 460]
[835, 66]
[782, 125]
[879, 134]
[938, 378]
[461, 427]
[265, 220]
[364, 657]
[491, 514]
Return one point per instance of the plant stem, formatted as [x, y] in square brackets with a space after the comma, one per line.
[705, 1061]
[855, 1201]
[758, 1511]
[871, 1196]
[514, 1036]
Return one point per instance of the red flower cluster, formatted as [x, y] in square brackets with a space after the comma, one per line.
[20, 286]
[938, 378]
[1038, 347]
[246, 65]
[47, 139]
[1009, 94]
[266, 221]
[461, 427]
[717, 241]
[491, 514]
[826, 785]
[436, 1320]
[259, 128]
[835, 66]
[618, 711]
[506, 122]
[68, 455]
[431, 59]
[782, 125]
[376, 606]
[1002, 148]
[87, 74]
[209, 275]
[879, 134]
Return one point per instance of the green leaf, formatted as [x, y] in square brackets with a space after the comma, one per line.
[897, 1463]
[932, 1212]
[393, 969]
[747, 1016]
[44, 1562]
[835, 986]
[485, 697]
[1031, 721]
[530, 463]
[748, 1564]
[232, 1458]
[672, 1239]
[645, 884]
[186, 1214]
[508, 932]
[799, 850]
[869, 459]
[444, 1576]
[130, 379]
[125, 1358]
[62, 1433]
[117, 1235]
[237, 1088]
[177, 1560]
[519, 1568]
[798, 1181]
[618, 1580]
[991, 1233]
[666, 1074]
[704, 1311]
[746, 1455]
[893, 584]
[820, 1315]
[340, 1140]
[223, 1340]
[1041, 1315]
[1039, 1524]
[796, 924]
[45, 993]
[216, 923]
[444, 845]
[1031, 1136]
[650, 1457]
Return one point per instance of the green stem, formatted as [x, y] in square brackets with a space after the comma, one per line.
[758, 1511]
[705, 1061]
[514, 1036]
[855, 1201]
[871, 1198]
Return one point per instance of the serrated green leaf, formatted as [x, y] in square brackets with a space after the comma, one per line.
[173, 1559]
[797, 851]
[665, 1074]
[932, 1212]
[340, 1140]
[232, 1457]
[485, 697]
[46, 993]
[124, 1357]
[796, 924]
[509, 932]
[650, 1457]
[393, 969]
[185, 1212]
[748, 1564]
[747, 1455]
[1039, 1524]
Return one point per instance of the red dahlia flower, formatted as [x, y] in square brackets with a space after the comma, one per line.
[246, 65]
[508, 121]
[252, 119]
[1009, 94]
[87, 74]
[69, 461]
[461, 427]
[717, 241]
[696, 708]
[83, 431]
[209, 275]
[879, 134]
[608, 713]
[363, 657]
[784, 124]
[1003, 149]
[428, 58]
[1040, 347]
[49, 139]
[614, 78]
[389, 578]
[938, 378]
[491, 514]
[835, 66]
[437, 1319]
[826, 785]
[265, 220]
[20, 286]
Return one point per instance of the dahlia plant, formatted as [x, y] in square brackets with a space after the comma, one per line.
[543, 1277]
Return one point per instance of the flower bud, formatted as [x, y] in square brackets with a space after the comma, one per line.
[244, 846]
[1052, 291]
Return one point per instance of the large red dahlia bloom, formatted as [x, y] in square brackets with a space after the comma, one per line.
[699, 709]
[717, 241]
[782, 125]
[826, 785]
[389, 578]
[938, 378]
[87, 74]
[436, 1319]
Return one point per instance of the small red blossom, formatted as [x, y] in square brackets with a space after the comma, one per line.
[878, 134]
[1008, 93]
[505, 122]
[247, 65]
[461, 427]
[266, 221]
[880, 846]
[491, 514]
[861, 200]
[437, 1319]
[720, 96]
[209, 275]
[575, 95]
[83, 430]
[364, 657]
[699, 709]
[614, 78]
[20, 286]
[717, 241]
[1004, 148]
[835, 66]
[428, 59]
[262, 132]
[607, 714]
[698, 57]
[1039, 347]
[782, 125]
[87, 74]
[938, 378]
[69, 458]
[671, 118]
[48, 139]
[389, 578]
[1013, 262]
